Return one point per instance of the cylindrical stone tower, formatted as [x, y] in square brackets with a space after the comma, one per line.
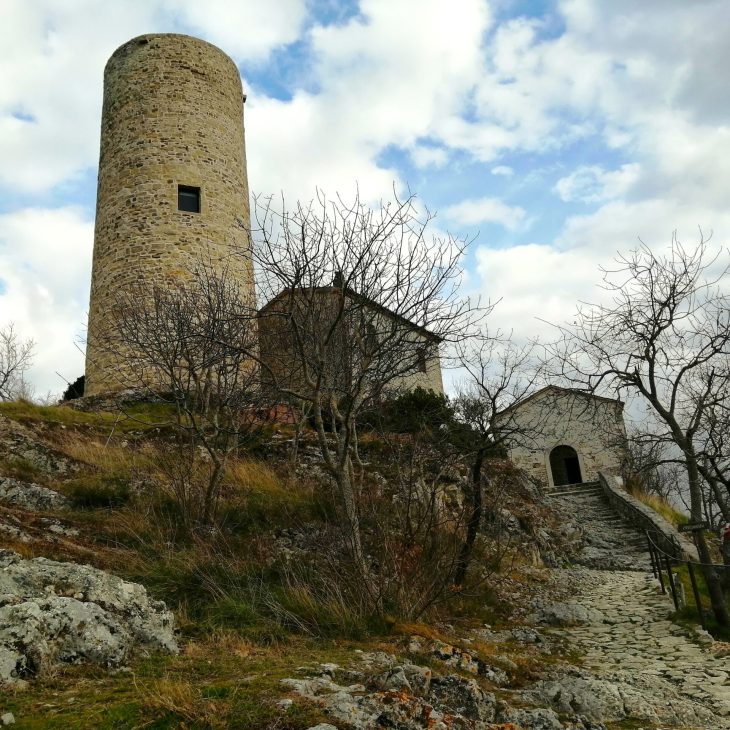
[172, 178]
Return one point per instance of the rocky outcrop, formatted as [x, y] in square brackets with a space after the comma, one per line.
[20, 442]
[404, 696]
[53, 612]
[28, 495]
[383, 691]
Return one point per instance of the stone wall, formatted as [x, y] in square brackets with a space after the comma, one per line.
[667, 537]
[593, 426]
[172, 115]
[428, 380]
[315, 311]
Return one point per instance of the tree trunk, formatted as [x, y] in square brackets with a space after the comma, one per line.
[347, 493]
[712, 578]
[474, 518]
[341, 470]
[726, 562]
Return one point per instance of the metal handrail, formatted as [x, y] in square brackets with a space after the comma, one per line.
[656, 553]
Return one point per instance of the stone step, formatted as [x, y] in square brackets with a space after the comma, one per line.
[577, 485]
[573, 492]
[590, 488]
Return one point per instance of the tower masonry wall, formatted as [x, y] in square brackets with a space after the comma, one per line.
[172, 115]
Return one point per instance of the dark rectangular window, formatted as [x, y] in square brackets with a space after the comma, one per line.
[188, 199]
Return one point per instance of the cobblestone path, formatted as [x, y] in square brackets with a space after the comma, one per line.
[630, 640]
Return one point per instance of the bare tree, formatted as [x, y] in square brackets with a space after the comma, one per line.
[188, 343]
[653, 466]
[664, 335]
[359, 301]
[714, 438]
[16, 356]
[500, 373]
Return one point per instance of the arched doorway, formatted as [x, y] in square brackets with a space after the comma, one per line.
[565, 466]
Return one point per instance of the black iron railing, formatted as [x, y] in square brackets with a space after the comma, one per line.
[662, 563]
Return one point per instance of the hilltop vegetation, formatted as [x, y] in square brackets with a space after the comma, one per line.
[265, 588]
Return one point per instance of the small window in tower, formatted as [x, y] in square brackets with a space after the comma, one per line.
[188, 199]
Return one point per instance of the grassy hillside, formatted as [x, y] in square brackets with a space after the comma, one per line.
[264, 590]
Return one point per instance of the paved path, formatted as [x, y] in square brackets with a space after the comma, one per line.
[631, 641]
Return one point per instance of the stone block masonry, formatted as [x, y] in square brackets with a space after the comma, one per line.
[172, 116]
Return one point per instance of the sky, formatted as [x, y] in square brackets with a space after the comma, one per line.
[554, 133]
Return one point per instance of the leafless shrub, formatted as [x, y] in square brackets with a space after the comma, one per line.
[16, 356]
[188, 344]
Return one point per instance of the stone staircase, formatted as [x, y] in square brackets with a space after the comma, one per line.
[609, 541]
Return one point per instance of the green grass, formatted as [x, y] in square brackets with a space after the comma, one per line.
[138, 417]
[93, 491]
[23, 469]
[220, 682]
[258, 499]
[244, 624]
[689, 614]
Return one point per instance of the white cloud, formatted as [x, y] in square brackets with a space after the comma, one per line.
[540, 284]
[52, 57]
[45, 268]
[378, 86]
[245, 30]
[440, 83]
[429, 156]
[593, 184]
[486, 210]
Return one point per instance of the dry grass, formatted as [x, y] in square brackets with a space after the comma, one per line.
[249, 475]
[661, 506]
[109, 456]
[137, 418]
[22, 410]
[185, 700]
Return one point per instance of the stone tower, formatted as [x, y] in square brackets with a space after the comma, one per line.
[172, 177]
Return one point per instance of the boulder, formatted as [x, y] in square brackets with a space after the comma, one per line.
[458, 696]
[28, 495]
[566, 614]
[53, 612]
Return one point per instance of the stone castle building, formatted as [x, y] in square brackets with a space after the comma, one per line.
[172, 183]
[341, 312]
[562, 436]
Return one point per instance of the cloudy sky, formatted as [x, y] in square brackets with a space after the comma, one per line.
[557, 132]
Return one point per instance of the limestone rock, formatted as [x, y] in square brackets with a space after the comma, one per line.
[435, 702]
[39, 633]
[55, 612]
[394, 679]
[540, 719]
[565, 614]
[457, 658]
[594, 698]
[464, 697]
[28, 495]
[20, 442]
